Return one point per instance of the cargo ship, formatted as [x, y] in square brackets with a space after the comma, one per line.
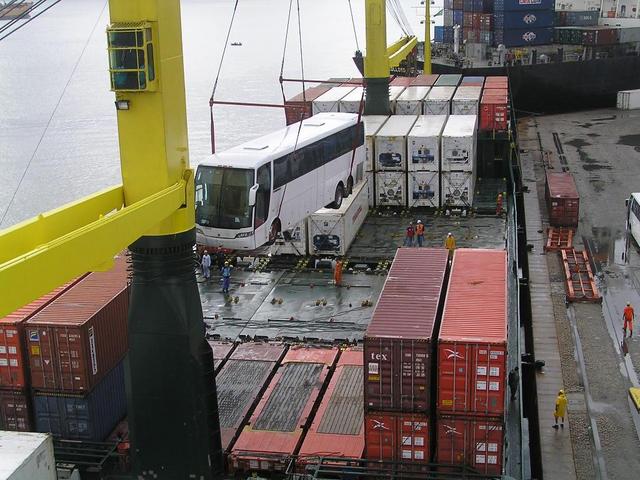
[556, 60]
[316, 375]
[9, 11]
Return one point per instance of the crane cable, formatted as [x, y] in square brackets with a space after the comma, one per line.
[353, 24]
[284, 54]
[46, 128]
[215, 83]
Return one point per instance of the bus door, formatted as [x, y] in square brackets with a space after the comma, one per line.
[263, 201]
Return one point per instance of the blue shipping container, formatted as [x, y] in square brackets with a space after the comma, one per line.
[568, 18]
[524, 36]
[448, 34]
[458, 17]
[438, 34]
[91, 417]
[477, 6]
[468, 6]
[518, 5]
[524, 19]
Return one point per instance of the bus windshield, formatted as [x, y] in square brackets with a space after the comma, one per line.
[222, 197]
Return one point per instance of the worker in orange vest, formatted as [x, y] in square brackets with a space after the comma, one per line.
[561, 409]
[499, 205]
[628, 316]
[337, 273]
[420, 232]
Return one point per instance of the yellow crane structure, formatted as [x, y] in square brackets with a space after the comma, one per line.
[169, 368]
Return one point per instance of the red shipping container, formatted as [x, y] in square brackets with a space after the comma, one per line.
[15, 411]
[599, 36]
[397, 436]
[13, 360]
[472, 345]
[563, 201]
[82, 335]
[401, 81]
[486, 21]
[300, 107]
[338, 427]
[277, 425]
[499, 81]
[494, 111]
[424, 80]
[398, 343]
[475, 442]
[240, 383]
[475, 21]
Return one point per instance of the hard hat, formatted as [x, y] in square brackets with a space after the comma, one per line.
[561, 392]
[226, 263]
[205, 251]
[419, 221]
[628, 304]
[449, 234]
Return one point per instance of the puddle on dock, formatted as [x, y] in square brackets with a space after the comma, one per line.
[605, 248]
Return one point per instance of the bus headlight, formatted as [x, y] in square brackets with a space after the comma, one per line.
[245, 235]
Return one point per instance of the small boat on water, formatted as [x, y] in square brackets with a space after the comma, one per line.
[9, 11]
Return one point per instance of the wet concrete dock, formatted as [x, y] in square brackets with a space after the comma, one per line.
[602, 151]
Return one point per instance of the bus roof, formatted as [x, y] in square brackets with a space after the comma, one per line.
[274, 145]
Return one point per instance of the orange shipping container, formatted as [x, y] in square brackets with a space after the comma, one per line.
[13, 361]
[82, 335]
[472, 345]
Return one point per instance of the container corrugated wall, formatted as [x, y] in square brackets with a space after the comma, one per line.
[472, 344]
[398, 436]
[82, 335]
[15, 411]
[89, 417]
[13, 358]
[338, 426]
[398, 341]
[563, 201]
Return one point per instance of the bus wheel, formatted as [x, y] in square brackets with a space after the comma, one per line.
[274, 231]
[349, 185]
[337, 202]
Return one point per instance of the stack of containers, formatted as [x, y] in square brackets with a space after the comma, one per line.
[425, 80]
[394, 92]
[411, 101]
[351, 102]
[423, 155]
[372, 124]
[391, 160]
[577, 18]
[472, 362]
[474, 18]
[517, 23]
[494, 105]
[76, 346]
[458, 160]
[398, 352]
[330, 100]
[15, 404]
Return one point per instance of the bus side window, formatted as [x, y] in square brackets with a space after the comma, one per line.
[264, 194]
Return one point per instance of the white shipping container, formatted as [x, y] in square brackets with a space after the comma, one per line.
[459, 143]
[457, 189]
[26, 456]
[466, 101]
[438, 101]
[423, 143]
[331, 232]
[629, 34]
[628, 99]
[410, 101]
[394, 92]
[391, 143]
[391, 189]
[291, 242]
[424, 189]
[350, 103]
[372, 123]
[329, 101]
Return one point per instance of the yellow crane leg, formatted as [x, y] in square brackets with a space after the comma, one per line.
[40, 254]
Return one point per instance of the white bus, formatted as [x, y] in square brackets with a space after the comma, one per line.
[248, 194]
[633, 217]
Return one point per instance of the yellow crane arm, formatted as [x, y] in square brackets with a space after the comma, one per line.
[46, 251]
[400, 50]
